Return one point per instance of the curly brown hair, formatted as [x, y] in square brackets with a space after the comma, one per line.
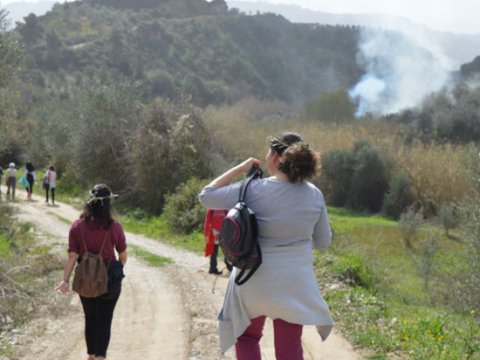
[297, 160]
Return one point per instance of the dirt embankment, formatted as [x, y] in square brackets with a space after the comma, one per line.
[163, 313]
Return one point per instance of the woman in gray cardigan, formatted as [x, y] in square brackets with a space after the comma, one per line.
[292, 219]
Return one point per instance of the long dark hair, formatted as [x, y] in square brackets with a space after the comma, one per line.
[98, 209]
[297, 160]
[29, 167]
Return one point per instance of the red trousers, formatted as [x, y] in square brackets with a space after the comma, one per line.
[287, 337]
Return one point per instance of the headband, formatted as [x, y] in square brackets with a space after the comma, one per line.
[94, 198]
[280, 146]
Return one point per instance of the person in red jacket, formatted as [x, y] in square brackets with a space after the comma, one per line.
[211, 232]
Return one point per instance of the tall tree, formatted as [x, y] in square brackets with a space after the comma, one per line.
[31, 31]
[9, 56]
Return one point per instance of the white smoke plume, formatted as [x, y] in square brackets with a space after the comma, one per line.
[402, 67]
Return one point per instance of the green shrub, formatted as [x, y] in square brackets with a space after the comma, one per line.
[448, 218]
[410, 222]
[355, 271]
[334, 107]
[429, 247]
[106, 117]
[337, 169]
[168, 147]
[357, 178]
[23, 267]
[370, 177]
[465, 283]
[183, 213]
[399, 196]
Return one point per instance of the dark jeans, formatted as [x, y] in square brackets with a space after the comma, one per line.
[52, 190]
[30, 180]
[98, 323]
[213, 259]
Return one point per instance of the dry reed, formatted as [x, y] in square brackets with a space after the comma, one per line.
[436, 171]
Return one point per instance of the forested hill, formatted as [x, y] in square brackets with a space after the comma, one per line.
[186, 47]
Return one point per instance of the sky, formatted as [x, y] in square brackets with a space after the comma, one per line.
[459, 16]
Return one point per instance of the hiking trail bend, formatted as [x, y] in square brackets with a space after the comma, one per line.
[163, 313]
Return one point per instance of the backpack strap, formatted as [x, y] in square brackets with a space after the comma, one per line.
[104, 240]
[103, 243]
[253, 173]
[238, 278]
[83, 239]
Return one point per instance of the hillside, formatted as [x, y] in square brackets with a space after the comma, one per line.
[459, 48]
[190, 47]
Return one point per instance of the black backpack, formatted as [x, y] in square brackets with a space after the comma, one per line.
[239, 233]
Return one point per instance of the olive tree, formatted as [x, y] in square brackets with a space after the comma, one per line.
[168, 147]
[9, 58]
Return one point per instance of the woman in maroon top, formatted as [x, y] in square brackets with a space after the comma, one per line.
[93, 225]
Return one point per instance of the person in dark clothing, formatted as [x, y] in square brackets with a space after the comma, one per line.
[90, 233]
[30, 175]
[49, 183]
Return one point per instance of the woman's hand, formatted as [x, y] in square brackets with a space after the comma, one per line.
[67, 271]
[247, 164]
[227, 177]
[63, 287]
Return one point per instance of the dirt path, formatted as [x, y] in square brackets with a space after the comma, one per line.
[166, 313]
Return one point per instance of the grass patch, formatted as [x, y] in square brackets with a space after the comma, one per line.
[6, 351]
[157, 228]
[382, 303]
[28, 272]
[5, 247]
[419, 332]
[148, 257]
[61, 218]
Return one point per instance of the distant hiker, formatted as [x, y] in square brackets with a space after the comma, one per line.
[292, 218]
[98, 233]
[11, 180]
[211, 230]
[30, 176]
[49, 183]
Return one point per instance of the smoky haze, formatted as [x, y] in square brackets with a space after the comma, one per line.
[401, 69]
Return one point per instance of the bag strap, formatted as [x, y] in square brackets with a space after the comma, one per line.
[238, 278]
[254, 173]
[104, 240]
